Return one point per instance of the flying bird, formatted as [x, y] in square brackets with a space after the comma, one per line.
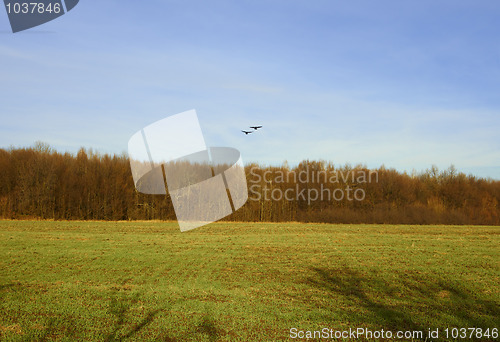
[255, 127]
[247, 132]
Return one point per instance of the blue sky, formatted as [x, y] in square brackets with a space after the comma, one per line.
[395, 83]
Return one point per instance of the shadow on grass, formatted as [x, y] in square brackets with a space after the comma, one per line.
[204, 330]
[406, 303]
[5, 288]
[120, 309]
[123, 308]
[55, 328]
[350, 284]
[207, 327]
[9, 286]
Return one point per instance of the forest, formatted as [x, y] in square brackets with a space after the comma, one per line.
[39, 182]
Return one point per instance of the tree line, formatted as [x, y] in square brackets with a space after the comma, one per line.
[41, 183]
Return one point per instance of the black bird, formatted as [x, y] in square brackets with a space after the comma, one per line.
[247, 132]
[256, 127]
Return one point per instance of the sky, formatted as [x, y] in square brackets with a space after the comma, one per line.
[402, 84]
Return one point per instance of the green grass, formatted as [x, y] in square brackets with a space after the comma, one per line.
[111, 281]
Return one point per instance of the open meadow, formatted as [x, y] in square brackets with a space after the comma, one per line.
[113, 281]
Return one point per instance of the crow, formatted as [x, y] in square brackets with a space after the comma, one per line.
[247, 132]
[255, 127]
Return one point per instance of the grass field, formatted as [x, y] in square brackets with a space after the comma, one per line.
[113, 281]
